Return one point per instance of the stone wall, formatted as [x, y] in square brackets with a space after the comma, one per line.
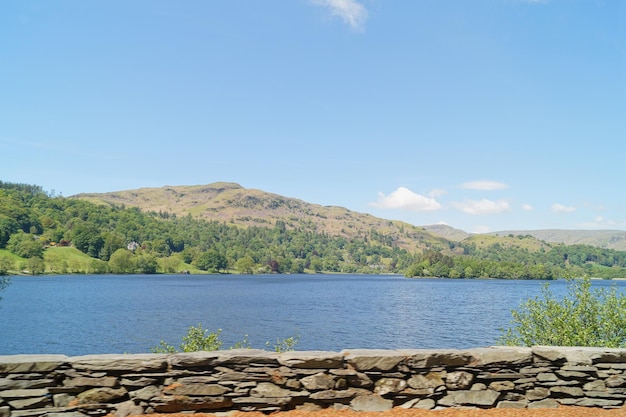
[363, 380]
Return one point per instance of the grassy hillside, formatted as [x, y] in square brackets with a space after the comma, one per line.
[233, 204]
[609, 239]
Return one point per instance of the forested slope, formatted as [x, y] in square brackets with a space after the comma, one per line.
[42, 233]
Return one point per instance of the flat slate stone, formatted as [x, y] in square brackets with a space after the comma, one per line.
[426, 358]
[371, 403]
[113, 362]
[500, 355]
[311, 360]
[31, 363]
[373, 360]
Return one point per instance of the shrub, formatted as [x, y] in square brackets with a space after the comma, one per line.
[584, 317]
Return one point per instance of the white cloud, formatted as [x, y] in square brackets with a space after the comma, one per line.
[484, 206]
[405, 199]
[484, 185]
[527, 207]
[560, 208]
[350, 11]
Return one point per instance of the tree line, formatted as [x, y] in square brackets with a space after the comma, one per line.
[117, 239]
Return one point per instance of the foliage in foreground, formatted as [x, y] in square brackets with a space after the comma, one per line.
[584, 317]
[198, 339]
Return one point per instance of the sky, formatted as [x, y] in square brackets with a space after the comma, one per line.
[485, 115]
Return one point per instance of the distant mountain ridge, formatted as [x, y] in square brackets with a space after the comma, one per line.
[607, 239]
[232, 203]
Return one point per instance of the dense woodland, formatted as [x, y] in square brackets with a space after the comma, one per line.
[43, 233]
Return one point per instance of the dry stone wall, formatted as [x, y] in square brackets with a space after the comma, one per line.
[363, 380]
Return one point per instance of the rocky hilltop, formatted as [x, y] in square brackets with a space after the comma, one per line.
[234, 204]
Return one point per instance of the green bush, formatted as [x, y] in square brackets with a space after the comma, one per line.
[198, 339]
[584, 317]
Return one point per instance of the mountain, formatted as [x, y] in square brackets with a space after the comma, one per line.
[231, 203]
[607, 239]
[447, 232]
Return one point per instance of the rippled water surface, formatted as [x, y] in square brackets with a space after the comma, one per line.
[78, 315]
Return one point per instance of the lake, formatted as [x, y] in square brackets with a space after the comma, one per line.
[89, 314]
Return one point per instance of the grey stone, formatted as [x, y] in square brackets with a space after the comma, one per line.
[31, 363]
[571, 391]
[311, 360]
[194, 359]
[5, 411]
[614, 382]
[423, 359]
[512, 404]
[580, 368]
[430, 380]
[179, 403]
[572, 375]
[359, 380]
[127, 408]
[318, 382]
[480, 398]
[23, 393]
[389, 385]
[502, 386]
[277, 401]
[269, 390]
[247, 356]
[595, 386]
[538, 393]
[371, 403]
[101, 395]
[62, 400]
[373, 360]
[547, 377]
[66, 414]
[195, 390]
[598, 402]
[83, 381]
[338, 394]
[547, 403]
[420, 403]
[139, 382]
[27, 403]
[9, 383]
[129, 363]
[498, 355]
[145, 394]
[425, 404]
[549, 353]
[459, 380]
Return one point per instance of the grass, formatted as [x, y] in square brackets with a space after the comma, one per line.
[61, 260]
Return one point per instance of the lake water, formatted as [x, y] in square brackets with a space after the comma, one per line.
[76, 315]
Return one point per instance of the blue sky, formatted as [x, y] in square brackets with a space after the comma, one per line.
[485, 115]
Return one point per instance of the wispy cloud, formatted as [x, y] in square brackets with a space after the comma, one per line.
[560, 208]
[405, 199]
[484, 185]
[351, 12]
[484, 206]
[527, 207]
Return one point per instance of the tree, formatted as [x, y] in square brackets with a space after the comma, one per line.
[25, 245]
[245, 265]
[6, 264]
[582, 318]
[122, 262]
[211, 260]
